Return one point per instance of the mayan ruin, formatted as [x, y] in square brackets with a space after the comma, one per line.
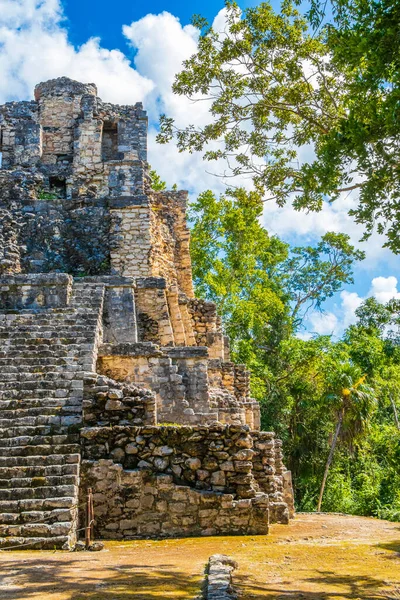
[113, 375]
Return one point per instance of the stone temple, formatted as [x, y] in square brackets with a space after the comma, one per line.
[112, 374]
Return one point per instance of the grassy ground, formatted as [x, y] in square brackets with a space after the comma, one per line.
[317, 557]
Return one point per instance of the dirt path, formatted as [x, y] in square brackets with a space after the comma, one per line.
[317, 557]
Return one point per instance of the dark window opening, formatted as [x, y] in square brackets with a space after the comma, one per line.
[109, 142]
[58, 187]
[64, 159]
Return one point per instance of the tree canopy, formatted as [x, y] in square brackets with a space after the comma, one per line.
[306, 112]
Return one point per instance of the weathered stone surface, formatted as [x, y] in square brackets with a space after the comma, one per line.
[219, 583]
[105, 351]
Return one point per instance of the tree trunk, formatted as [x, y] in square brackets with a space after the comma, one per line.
[330, 457]
[396, 417]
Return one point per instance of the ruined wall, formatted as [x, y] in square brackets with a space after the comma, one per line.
[40, 233]
[76, 199]
[146, 365]
[217, 466]
[108, 402]
[170, 240]
[178, 376]
[135, 504]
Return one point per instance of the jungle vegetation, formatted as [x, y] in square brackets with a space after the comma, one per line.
[307, 105]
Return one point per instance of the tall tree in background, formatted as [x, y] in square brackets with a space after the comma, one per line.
[352, 400]
[279, 92]
[263, 288]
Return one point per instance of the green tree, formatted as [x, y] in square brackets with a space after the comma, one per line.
[352, 401]
[262, 287]
[279, 93]
[256, 278]
[312, 274]
[236, 262]
[257, 282]
[157, 183]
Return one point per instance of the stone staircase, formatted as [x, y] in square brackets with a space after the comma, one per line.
[44, 353]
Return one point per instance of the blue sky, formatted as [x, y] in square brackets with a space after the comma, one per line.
[87, 18]
[132, 50]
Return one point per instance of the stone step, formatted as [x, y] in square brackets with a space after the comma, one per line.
[12, 436]
[13, 406]
[39, 439]
[20, 413]
[76, 330]
[18, 472]
[39, 450]
[83, 313]
[17, 320]
[24, 324]
[39, 342]
[78, 318]
[36, 358]
[10, 315]
[39, 492]
[48, 351]
[48, 382]
[12, 373]
[51, 334]
[21, 425]
[40, 460]
[17, 348]
[38, 481]
[45, 402]
[83, 309]
[39, 380]
[38, 516]
[33, 530]
[38, 504]
[29, 420]
[33, 543]
[20, 398]
[40, 362]
[34, 392]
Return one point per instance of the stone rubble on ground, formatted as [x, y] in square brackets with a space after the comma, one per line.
[219, 584]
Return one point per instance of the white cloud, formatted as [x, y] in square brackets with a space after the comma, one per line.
[162, 45]
[323, 323]
[34, 47]
[302, 227]
[350, 302]
[384, 289]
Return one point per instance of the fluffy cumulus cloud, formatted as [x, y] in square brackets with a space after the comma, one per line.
[34, 47]
[384, 289]
[162, 44]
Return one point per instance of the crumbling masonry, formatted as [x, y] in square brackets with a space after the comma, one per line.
[112, 374]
